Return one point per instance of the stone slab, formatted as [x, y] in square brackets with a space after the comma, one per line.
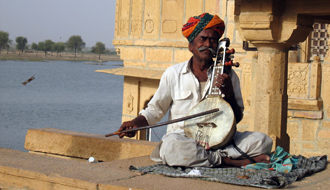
[83, 145]
[304, 104]
[21, 170]
[32, 171]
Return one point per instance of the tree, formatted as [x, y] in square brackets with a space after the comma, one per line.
[99, 48]
[21, 43]
[48, 45]
[45, 46]
[75, 42]
[34, 46]
[41, 46]
[4, 40]
[58, 47]
[8, 46]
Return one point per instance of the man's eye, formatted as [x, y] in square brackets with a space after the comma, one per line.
[203, 39]
[213, 40]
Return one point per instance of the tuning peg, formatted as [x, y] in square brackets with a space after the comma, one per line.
[236, 64]
[230, 51]
[231, 63]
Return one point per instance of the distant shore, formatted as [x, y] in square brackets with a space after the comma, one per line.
[40, 56]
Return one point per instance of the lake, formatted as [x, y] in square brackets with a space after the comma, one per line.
[65, 95]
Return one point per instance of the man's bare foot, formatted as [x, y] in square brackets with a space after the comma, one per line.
[262, 158]
[230, 162]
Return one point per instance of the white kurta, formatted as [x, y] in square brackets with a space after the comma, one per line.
[178, 93]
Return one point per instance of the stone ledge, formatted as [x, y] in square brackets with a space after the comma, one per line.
[14, 178]
[83, 145]
[135, 72]
[305, 114]
[304, 104]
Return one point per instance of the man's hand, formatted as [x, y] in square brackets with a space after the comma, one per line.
[223, 82]
[139, 121]
[127, 125]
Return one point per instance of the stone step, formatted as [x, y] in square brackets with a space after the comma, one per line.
[21, 170]
[84, 145]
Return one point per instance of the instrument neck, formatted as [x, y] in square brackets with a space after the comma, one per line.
[218, 68]
[214, 90]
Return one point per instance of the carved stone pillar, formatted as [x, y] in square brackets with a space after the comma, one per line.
[269, 93]
[272, 28]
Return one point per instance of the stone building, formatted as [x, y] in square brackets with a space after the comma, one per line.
[281, 46]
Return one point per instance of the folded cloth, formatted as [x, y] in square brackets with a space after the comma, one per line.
[280, 161]
[264, 178]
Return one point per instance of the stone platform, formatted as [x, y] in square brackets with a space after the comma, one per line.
[21, 170]
[84, 145]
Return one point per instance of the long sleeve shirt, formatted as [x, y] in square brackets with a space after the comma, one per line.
[179, 92]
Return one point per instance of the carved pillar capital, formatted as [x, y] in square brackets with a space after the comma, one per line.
[268, 22]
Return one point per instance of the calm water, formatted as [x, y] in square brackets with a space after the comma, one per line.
[64, 95]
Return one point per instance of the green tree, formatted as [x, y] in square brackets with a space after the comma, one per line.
[75, 42]
[4, 40]
[21, 43]
[8, 46]
[99, 48]
[58, 47]
[34, 46]
[41, 46]
[45, 46]
[48, 45]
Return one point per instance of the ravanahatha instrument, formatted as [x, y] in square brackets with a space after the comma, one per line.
[214, 130]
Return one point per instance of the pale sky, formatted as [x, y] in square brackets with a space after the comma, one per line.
[57, 20]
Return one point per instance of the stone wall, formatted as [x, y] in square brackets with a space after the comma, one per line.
[308, 121]
[148, 38]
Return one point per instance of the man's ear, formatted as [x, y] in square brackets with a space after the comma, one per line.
[190, 47]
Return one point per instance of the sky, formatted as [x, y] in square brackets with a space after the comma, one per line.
[57, 20]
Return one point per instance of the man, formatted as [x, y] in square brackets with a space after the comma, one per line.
[184, 85]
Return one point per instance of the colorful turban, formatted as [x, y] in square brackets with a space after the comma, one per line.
[204, 21]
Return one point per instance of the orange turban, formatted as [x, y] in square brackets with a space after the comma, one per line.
[204, 21]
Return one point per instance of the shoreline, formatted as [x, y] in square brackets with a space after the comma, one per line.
[40, 56]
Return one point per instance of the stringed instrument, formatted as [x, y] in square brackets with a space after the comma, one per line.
[215, 130]
[211, 122]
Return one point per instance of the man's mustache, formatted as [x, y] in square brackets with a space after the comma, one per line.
[206, 48]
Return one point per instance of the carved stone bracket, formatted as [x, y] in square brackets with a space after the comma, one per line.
[270, 24]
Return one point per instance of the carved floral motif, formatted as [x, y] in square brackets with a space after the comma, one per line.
[298, 80]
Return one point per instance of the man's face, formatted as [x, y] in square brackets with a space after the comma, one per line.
[207, 38]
